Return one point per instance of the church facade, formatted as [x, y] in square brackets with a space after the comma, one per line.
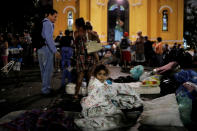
[155, 18]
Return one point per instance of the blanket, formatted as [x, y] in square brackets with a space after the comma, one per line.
[101, 109]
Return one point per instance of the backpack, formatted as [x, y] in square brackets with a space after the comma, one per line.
[37, 40]
[124, 44]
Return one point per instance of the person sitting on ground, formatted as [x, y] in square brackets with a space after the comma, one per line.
[107, 58]
[104, 101]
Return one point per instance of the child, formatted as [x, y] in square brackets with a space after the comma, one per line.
[101, 108]
[98, 92]
[66, 54]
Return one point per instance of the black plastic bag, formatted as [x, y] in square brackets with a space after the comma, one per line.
[168, 85]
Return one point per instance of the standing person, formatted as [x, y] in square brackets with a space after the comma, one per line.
[126, 51]
[66, 54]
[148, 50]
[16, 51]
[57, 39]
[118, 29]
[84, 61]
[174, 46]
[165, 55]
[4, 51]
[159, 51]
[89, 29]
[47, 51]
[139, 48]
[71, 35]
[92, 35]
[66, 49]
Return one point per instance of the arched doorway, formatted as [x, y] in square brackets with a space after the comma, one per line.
[117, 8]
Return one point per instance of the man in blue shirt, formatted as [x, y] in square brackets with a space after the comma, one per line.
[46, 52]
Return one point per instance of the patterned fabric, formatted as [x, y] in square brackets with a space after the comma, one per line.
[39, 120]
[99, 95]
[139, 45]
[84, 61]
[104, 102]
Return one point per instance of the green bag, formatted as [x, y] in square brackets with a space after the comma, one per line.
[185, 105]
[137, 71]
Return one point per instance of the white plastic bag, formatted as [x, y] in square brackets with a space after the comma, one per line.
[162, 111]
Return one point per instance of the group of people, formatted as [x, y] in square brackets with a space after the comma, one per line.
[15, 47]
[142, 51]
[103, 105]
[72, 47]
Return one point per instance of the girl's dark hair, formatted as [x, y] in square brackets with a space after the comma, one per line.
[88, 27]
[80, 23]
[99, 68]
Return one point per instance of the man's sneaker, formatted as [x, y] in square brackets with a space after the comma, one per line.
[52, 93]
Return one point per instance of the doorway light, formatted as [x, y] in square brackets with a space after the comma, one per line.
[119, 1]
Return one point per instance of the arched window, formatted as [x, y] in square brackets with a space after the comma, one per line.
[165, 20]
[70, 20]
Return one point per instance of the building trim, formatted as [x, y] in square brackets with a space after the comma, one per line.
[72, 7]
[138, 3]
[154, 39]
[100, 3]
[102, 36]
[64, 0]
[166, 6]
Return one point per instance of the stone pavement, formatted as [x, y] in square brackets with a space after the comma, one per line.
[24, 93]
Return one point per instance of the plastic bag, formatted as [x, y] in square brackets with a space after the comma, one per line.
[137, 71]
[145, 75]
[168, 85]
[152, 81]
[185, 105]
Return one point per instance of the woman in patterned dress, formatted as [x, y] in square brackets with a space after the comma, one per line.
[84, 61]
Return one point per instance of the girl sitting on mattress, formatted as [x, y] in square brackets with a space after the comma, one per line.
[105, 101]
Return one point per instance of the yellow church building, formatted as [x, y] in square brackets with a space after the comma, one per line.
[155, 18]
